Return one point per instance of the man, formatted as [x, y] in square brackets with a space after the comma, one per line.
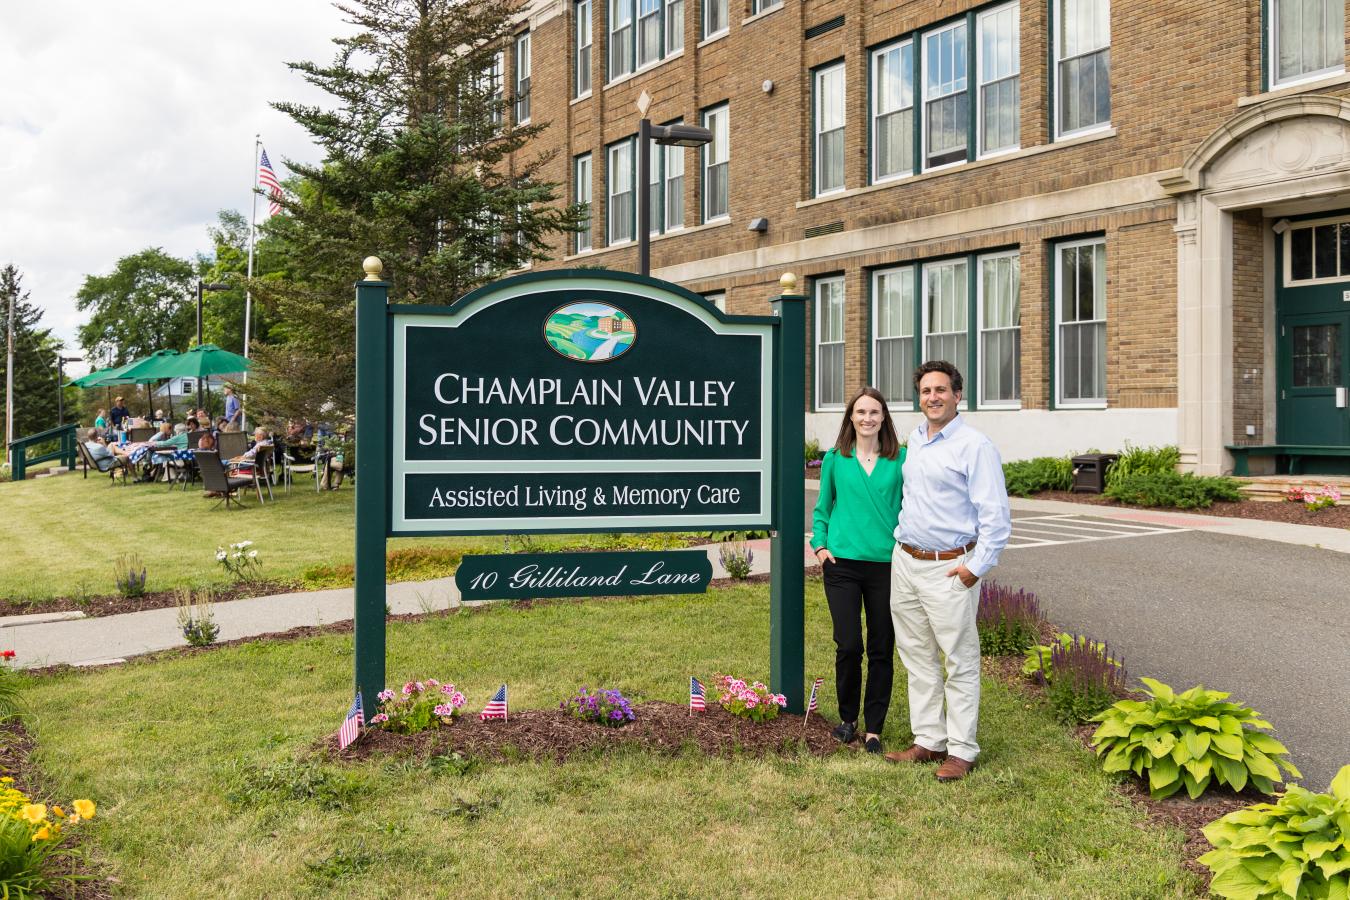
[952, 527]
[261, 441]
[118, 413]
[103, 456]
[233, 410]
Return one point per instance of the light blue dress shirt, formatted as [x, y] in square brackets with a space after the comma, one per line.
[954, 494]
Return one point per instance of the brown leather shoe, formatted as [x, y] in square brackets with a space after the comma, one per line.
[954, 769]
[916, 754]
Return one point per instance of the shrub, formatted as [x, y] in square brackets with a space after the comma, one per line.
[1298, 846]
[419, 706]
[195, 618]
[240, 561]
[1044, 473]
[1181, 490]
[1086, 679]
[736, 558]
[1038, 664]
[1188, 740]
[35, 860]
[1143, 461]
[1009, 621]
[753, 701]
[129, 573]
[604, 707]
[813, 452]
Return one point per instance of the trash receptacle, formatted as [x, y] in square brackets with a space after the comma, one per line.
[1089, 472]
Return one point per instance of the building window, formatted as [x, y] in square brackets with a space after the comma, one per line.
[717, 299]
[622, 199]
[893, 111]
[1082, 65]
[759, 6]
[715, 17]
[674, 26]
[830, 343]
[620, 38]
[583, 63]
[582, 176]
[945, 302]
[945, 98]
[716, 162]
[1307, 39]
[490, 84]
[999, 63]
[1317, 252]
[523, 79]
[1080, 322]
[1000, 315]
[829, 127]
[649, 32]
[673, 172]
[893, 334]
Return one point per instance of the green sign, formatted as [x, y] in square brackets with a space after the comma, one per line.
[515, 576]
[577, 401]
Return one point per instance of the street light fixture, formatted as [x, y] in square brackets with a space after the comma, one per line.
[61, 386]
[203, 286]
[669, 136]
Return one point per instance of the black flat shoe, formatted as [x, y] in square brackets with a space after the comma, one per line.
[872, 745]
[846, 732]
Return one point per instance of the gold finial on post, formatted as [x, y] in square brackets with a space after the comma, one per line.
[788, 282]
[374, 268]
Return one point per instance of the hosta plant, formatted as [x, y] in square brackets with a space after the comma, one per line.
[1298, 846]
[1189, 740]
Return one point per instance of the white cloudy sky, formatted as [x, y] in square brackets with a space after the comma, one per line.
[128, 125]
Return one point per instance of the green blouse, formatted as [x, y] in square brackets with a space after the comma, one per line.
[856, 514]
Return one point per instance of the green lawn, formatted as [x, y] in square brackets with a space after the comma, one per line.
[204, 789]
[61, 536]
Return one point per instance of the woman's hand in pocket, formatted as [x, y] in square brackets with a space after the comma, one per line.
[823, 556]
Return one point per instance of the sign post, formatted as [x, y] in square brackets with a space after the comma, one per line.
[372, 477]
[787, 598]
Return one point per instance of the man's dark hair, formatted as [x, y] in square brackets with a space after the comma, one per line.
[939, 365]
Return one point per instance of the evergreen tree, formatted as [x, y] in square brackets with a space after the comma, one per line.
[421, 168]
[223, 311]
[35, 349]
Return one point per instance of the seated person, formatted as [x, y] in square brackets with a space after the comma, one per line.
[261, 441]
[104, 457]
[158, 419]
[207, 442]
[169, 439]
[221, 425]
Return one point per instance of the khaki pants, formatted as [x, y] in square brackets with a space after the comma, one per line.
[934, 613]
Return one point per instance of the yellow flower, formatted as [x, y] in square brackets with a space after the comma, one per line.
[42, 833]
[34, 812]
[6, 780]
[85, 808]
[58, 812]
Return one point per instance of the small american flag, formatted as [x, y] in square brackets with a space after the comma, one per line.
[696, 695]
[815, 691]
[496, 708]
[351, 726]
[267, 180]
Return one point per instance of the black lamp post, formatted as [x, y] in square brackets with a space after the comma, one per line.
[203, 286]
[666, 135]
[61, 387]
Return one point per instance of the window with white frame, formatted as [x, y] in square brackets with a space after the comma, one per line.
[945, 96]
[583, 60]
[649, 32]
[582, 180]
[490, 83]
[829, 343]
[829, 129]
[893, 111]
[620, 38]
[1307, 39]
[716, 165]
[717, 299]
[1317, 252]
[999, 67]
[715, 17]
[893, 333]
[673, 174]
[1082, 65]
[1000, 348]
[523, 79]
[622, 199]
[674, 26]
[759, 6]
[945, 302]
[1080, 322]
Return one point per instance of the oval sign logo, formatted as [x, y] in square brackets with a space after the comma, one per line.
[589, 331]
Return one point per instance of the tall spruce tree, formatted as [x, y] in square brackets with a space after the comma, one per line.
[35, 349]
[421, 168]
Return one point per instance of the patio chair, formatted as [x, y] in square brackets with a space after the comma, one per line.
[139, 435]
[291, 467]
[111, 465]
[215, 480]
[263, 472]
[231, 444]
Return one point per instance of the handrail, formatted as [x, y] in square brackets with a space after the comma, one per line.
[44, 435]
[18, 450]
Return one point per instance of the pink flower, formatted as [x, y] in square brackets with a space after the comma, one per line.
[447, 688]
[385, 695]
[444, 709]
[420, 687]
[432, 682]
[408, 688]
[456, 699]
[378, 718]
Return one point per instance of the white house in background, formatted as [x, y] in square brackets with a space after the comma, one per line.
[186, 387]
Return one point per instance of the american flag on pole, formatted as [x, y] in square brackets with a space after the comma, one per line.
[696, 695]
[351, 726]
[496, 708]
[815, 693]
[267, 180]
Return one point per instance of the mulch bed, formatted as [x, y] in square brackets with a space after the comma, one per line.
[116, 604]
[553, 734]
[1266, 510]
[16, 748]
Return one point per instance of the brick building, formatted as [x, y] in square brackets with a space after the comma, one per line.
[1125, 220]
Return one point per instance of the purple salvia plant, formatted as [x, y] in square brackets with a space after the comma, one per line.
[1009, 621]
[1084, 678]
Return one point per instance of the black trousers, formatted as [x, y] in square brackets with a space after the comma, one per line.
[856, 588]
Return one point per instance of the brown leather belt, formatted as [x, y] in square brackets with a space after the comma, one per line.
[938, 554]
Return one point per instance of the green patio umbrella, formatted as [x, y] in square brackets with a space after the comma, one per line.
[88, 381]
[208, 359]
[141, 371]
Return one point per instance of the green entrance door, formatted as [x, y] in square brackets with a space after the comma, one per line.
[1312, 307]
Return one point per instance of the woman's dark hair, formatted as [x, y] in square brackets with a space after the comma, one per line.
[939, 365]
[889, 443]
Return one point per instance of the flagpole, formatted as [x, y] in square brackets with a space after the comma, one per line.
[248, 289]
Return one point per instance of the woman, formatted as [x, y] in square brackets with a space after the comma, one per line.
[859, 503]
